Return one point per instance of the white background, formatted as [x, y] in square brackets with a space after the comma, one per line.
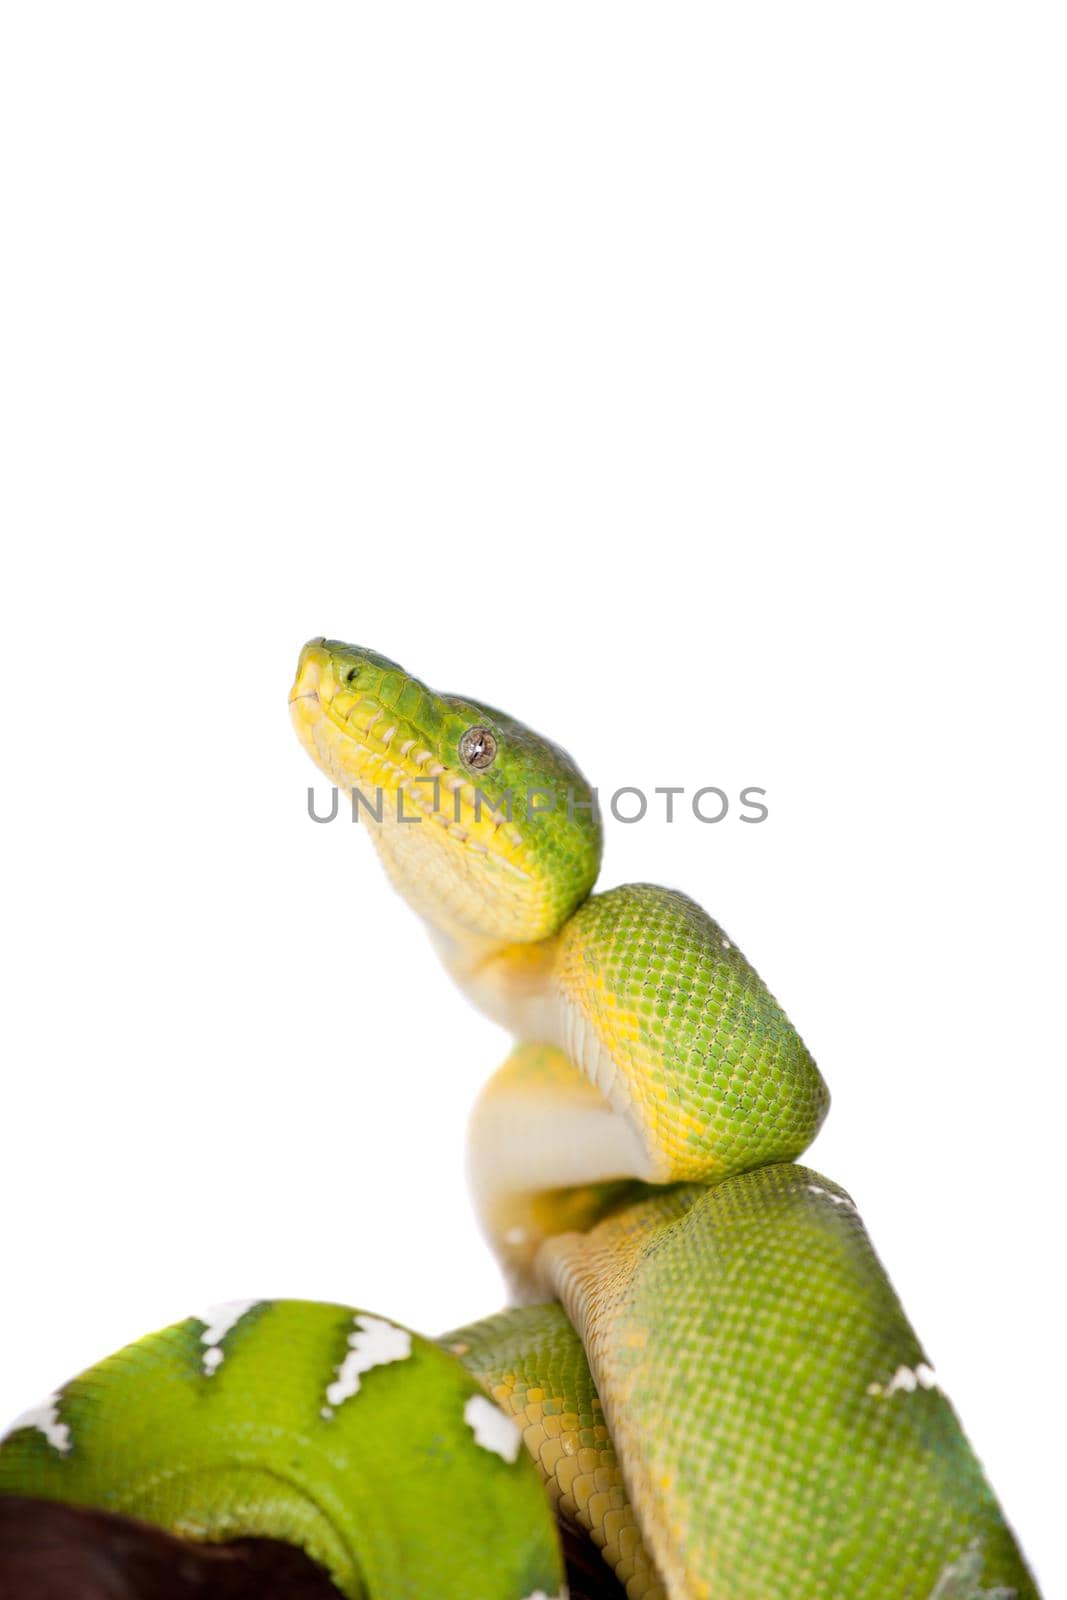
[689, 382]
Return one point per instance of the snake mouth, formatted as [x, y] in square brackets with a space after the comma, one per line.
[308, 672]
[407, 754]
[493, 862]
[361, 738]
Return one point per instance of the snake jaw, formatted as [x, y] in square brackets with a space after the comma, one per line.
[489, 867]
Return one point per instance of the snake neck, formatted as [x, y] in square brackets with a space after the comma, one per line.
[513, 984]
[651, 1054]
[579, 1122]
[553, 1145]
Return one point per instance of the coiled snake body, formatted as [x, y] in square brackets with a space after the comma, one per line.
[710, 1373]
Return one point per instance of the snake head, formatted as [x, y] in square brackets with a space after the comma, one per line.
[488, 829]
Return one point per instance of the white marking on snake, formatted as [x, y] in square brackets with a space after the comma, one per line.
[375, 1343]
[906, 1380]
[45, 1418]
[960, 1579]
[218, 1321]
[838, 1199]
[516, 1236]
[539, 1594]
[492, 1429]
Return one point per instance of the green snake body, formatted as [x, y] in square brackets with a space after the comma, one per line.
[712, 1376]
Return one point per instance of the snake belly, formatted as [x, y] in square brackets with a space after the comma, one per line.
[707, 1365]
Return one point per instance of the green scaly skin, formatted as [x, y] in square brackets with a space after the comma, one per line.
[727, 1398]
[783, 1422]
[255, 1447]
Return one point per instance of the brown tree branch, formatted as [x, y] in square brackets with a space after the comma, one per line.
[50, 1551]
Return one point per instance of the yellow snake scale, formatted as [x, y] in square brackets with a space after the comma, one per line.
[711, 1375]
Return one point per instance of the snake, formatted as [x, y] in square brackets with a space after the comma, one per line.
[703, 1369]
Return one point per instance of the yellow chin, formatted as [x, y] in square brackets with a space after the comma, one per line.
[468, 887]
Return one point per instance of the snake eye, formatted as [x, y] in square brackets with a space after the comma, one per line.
[351, 674]
[477, 748]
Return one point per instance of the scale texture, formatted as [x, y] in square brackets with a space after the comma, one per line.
[371, 1449]
[715, 1385]
[784, 1430]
